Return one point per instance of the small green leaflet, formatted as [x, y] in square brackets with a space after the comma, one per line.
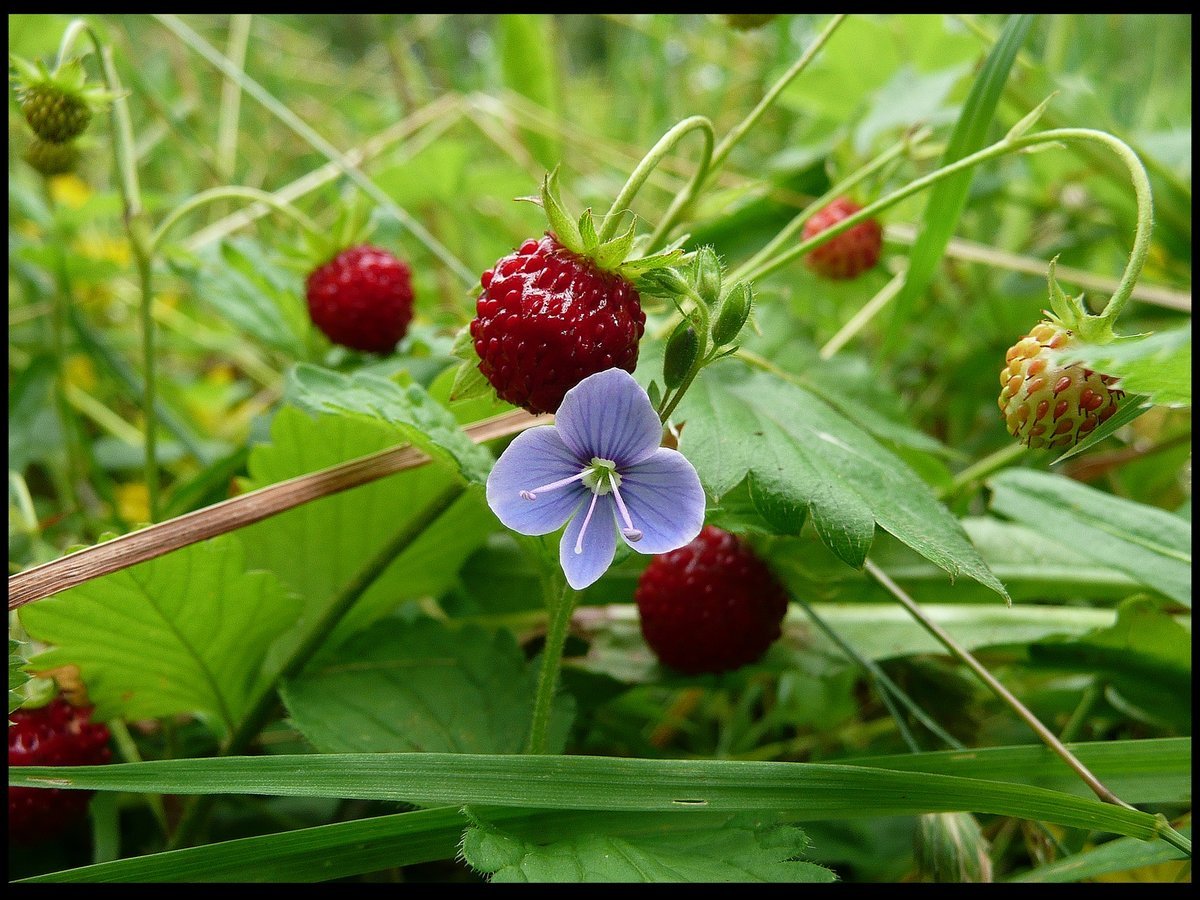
[469, 382]
[1158, 365]
[420, 419]
[17, 677]
[184, 633]
[803, 457]
[1150, 545]
[741, 851]
[420, 686]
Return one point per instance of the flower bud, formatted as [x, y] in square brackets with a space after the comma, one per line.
[734, 312]
[708, 275]
[949, 847]
[681, 353]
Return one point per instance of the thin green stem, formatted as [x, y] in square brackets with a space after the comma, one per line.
[1173, 837]
[859, 320]
[305, 131]
[547, 683]
[650, 161]
[964, 656]
[231, 96]
[887, 685]
[146, 284]
[128, 749]
[312, 640]
[977, 472]
[1145, 223]
[843, 186]
[225, 193]
[70, 35]
[1079, 717]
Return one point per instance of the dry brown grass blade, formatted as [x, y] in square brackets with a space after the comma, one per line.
[237, 512]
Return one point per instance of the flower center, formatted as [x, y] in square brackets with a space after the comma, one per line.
[601, 476]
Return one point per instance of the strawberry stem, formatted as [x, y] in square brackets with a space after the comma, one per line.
[547, 684]
[231, 192]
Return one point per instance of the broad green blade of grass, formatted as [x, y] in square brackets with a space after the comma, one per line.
[805, 790]
[947, 199]
[1120, 855]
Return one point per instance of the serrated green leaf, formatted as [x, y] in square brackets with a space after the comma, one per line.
[257, 297]
[408, 408]
[420, 686]
[1150, 545]
[1158, 365]
[742, 851]
[319, 546]
[17, 677]
[184, 633]
[800, 454]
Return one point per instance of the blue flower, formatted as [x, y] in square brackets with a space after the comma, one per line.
[600, 470]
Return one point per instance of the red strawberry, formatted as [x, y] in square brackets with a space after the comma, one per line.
[55, 735]
[711, 606]
[548, 318]
[362, 299]
[852, 252]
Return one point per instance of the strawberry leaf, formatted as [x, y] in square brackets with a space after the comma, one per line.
[185, 633]
[800, 457]
[740, 850]
[421, 686]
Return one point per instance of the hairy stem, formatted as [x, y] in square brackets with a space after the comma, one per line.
[547, 683]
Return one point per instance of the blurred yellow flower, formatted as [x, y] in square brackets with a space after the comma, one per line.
[133, 502]
[69, 190]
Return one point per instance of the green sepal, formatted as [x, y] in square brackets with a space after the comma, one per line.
[1070, 313]
[682, 349]
[636, 267]
[469, 382]
[1029, 120]
[663, 282]
[587, 233]
[610, 255]
[561, 223]
[708, 275]
[654, 393]
[70, 78]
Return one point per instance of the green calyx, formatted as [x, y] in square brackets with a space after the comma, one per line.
[57, 105]
[580, 235]
[351, 227]
[1069, 313]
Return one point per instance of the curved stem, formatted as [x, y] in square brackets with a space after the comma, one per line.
[224, 193]
[980, 470]
[1141, 184]
[70, 35]
[855, 178]
[547, 684]
[651, 160]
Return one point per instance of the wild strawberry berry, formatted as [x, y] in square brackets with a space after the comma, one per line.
[58, 734]
[51, 159]
[55, 115]
[852, 252]
[1046, 404]
[710, 606]
[548, 318]
[362, 299]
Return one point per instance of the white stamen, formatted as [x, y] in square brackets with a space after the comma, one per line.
[629, 531]
[588, 518]
[553, 486]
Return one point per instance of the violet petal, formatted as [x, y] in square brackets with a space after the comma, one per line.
[536, 457]
[609, 415]
[599, 544]
[665, 501]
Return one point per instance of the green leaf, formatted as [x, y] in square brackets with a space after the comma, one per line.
[408, 408]
[742, 851]
[1150, 545]
[1157, 365]
[316, 548]
[1146, 656]
[17, 677]
[184, 633]
[800, 455]
[948, 197]
[1119, 855]
[418, 686]
[806, 791]
[255, 295]
[1132, 407]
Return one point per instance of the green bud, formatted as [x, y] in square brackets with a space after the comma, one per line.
[949, 847]
[733, 315]
[654, 394]
[665, 283]
[708, 275]
[682, 350]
